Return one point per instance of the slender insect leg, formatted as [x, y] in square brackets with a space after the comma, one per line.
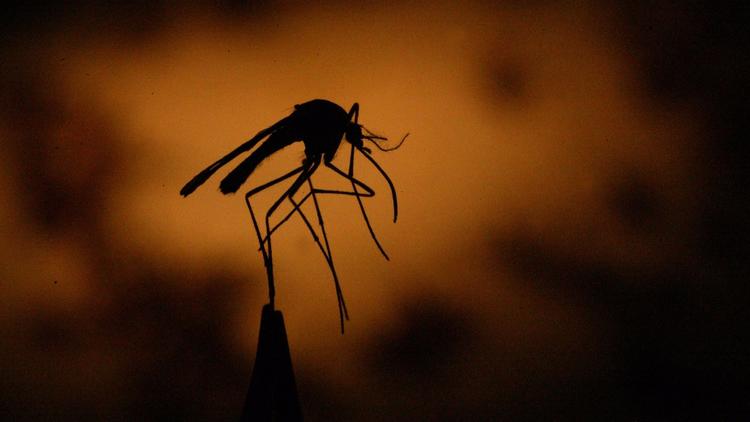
[354, 112]
[387, 179]
[369, 192]
[343, 312]
[309, 226]
[298, 205]
[267, 260]
[326, 251]
[309, 168]
[296, 208]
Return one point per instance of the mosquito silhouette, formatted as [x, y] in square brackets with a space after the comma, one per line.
[320, 125]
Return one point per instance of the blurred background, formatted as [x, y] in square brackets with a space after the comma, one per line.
[572, 237]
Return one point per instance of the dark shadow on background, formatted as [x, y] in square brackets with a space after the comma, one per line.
[691, 53]
[66, 156]
[154, 343]
[674, 330]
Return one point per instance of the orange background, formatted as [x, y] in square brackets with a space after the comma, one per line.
[569, 244]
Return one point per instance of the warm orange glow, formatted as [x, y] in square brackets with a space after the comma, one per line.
[529, 128]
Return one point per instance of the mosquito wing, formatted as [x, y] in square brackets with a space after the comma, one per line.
[278, 140]
[201, 177]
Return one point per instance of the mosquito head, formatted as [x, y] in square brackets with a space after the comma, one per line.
[353, 134]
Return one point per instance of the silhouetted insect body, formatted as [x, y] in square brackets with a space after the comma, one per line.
[320, 125]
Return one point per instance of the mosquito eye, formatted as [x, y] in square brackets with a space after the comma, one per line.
[352, 136]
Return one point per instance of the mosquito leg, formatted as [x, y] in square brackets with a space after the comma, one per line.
[387, 179]
[267, 257]
[298, 205]
[309, 168]
[309, 226]
[354, 112]
[368, 193]
[343, 312]
[326, 251]
[296, 208]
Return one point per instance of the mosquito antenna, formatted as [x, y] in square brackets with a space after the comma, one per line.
[373, 137]
[387, 179]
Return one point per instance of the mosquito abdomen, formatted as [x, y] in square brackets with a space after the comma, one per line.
[232, 182]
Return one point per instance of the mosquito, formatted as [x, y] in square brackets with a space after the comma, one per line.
[320, 125]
